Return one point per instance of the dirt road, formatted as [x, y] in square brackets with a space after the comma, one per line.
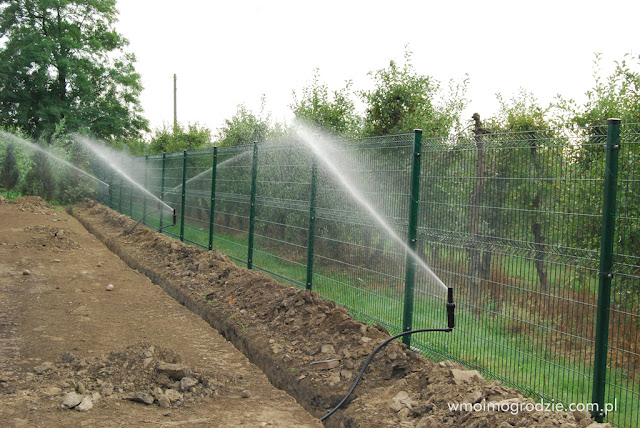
[62, 331]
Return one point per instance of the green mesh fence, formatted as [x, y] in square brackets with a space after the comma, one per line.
[512, 221]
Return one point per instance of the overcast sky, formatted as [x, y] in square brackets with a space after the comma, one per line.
[231, 52]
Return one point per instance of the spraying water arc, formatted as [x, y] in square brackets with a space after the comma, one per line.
[207, 172]
[319, 146]
[36, 147]
[105, 155]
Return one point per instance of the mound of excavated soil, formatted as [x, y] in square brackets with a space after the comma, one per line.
[292, 334]
[142, 373]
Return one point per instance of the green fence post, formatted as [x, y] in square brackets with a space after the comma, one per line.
[131, 190]
[164, 164]
[606, 267]
[410, 263]
[98, 173]
[111, 191]
[144, 195]
[252, 207]
[212, 208]
[120, 195]
[312, 221]
[184, 193]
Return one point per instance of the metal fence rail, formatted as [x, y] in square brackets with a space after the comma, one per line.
[538, 232]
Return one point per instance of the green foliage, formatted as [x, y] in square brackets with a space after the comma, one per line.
[245, 127]
[10, 174]
[72, 185]
[404, 100]
[63, 59]
[176, 139]
[40, 180]
[521, 113]
[613, 96]
[335, 115]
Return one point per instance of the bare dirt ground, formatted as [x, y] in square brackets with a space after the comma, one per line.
[61, 331]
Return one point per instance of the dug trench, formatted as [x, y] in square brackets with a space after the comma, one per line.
[310, 347]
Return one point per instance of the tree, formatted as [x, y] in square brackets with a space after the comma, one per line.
[335, 115]
[245, 127]
[526, 121]
[176, 138]
[10, 173]
[63, 59]
[404, 100]
[40, 180]
[613, 96]
[512, 196]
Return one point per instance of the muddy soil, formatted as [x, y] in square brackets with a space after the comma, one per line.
[310, 347]
[131, 356]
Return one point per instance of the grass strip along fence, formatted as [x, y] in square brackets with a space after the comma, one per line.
[538, 232]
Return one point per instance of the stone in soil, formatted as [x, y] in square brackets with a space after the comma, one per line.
[163, 401]
[142, 397]
[71, 400]
[173, 395]
[174, 371]
[187, 382]
[46, 366]
[85, 405]
[465, 376]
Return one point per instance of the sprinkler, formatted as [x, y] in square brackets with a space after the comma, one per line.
[450, 324]
[174, 218]
[149, 213]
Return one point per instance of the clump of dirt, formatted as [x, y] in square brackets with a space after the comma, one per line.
[143, 373]
[32, 204]
[55, 239]
[311, 347]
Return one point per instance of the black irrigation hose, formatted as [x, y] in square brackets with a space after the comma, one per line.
[139, 221]
[451, 322]
[366, 364]
[145, 216]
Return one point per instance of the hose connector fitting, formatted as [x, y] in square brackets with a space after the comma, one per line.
[450, 308]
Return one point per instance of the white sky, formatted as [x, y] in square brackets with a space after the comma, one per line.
[230, 52]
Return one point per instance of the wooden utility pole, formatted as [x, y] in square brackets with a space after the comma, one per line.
[175, 102]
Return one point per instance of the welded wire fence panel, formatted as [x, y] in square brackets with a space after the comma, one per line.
[173, 167]
[233, 190]
[137, 194]
[153, 167]
[624, 351]
[282, 211]
[358, 263]
[511, 221]
[198, 197]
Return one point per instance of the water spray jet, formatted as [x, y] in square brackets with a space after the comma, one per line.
[320, 152]
[104, 153]
[34, 146]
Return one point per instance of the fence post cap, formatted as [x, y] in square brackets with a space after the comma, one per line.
[613, 120]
